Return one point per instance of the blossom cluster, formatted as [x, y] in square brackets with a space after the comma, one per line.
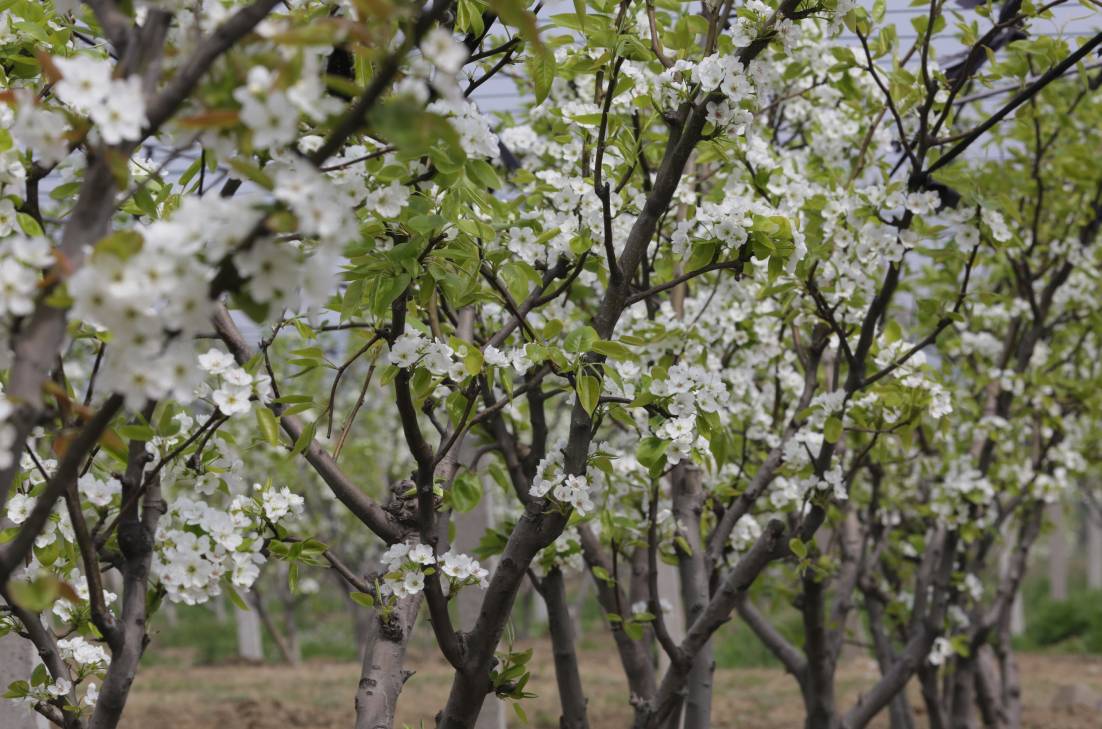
[564, 553]
[199, 545]
[688, 387]
[442, 360]
[21, 260]
[84, 659]
[148, 288]
[407, 565]
[910, 374]
[571, 490]
[236, 387]
[75, 613]
[115, 105]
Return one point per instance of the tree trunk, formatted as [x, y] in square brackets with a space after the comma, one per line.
[250, 643]
[931, 697]
[469, 528]
[639, 591]
[569, 680]
[670, 589]
[1094, 547]
[382, 676]
[634, 657]
[17, 661]
[688, 503]
[989, 689]
[819, 707]
[1058, 555]
[818, 689]
[963, 684]
[1011, 687]
[218, 607]
[577, 608]
[136, 538]
[525, 613]
[1017, 615]
[1017, 607]
[899, 710]
[290, 630]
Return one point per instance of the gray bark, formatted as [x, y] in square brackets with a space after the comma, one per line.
[469, 528]
[135, 536]
[669, 587]
[688, 504]
[931, 697]
[715, 613]
[989, 689]
[382, 676]
[560, 625]
[1017, 608]
[928, 616]
[819, 696]
[899, 710]
[17, 660]
[1011, 686]
[1058, 555]
[634, 656]
[963, 691]
[250, 642]
[1094, 546]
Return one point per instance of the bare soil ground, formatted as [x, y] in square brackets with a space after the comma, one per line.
[320, 695]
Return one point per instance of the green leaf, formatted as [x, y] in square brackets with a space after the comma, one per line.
[269, 427]
[472, 360]
[236, 599]
[121, 244]
[892, 332]
[517, 14]
[579, 10]
[798, 548]
[832, 430]
[481, 172]
[37, 595]
[362, 598]
[405, 124]
[305, 438]
[28, 224]
[255, 310]
[135, 431]
[589, 392]
[292, 578]
[613, 350]
[520, 712]
[581, 340]
[652, 454]
[40, 676]
[466, 492]
[541, 69]
[17, 690]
